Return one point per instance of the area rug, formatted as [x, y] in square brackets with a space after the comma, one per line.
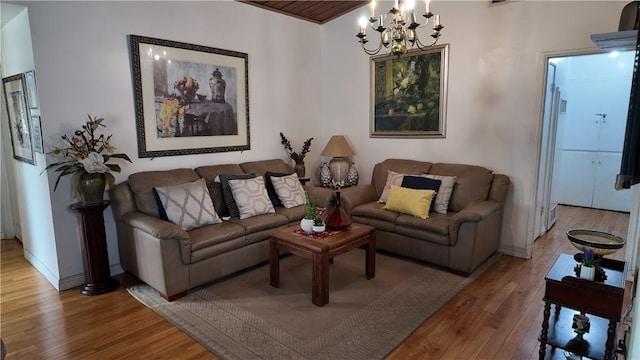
[243, 317]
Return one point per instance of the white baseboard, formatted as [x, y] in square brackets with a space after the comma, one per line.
[38, 265]
[514, 251]
[76, 280]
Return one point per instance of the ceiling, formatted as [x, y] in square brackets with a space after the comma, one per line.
[318, 12]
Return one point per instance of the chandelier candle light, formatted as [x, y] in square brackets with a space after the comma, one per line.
[402, 24]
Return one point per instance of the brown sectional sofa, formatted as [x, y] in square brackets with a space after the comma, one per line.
[173, 260]
[460, 240]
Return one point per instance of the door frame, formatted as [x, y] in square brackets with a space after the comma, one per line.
[633, 231]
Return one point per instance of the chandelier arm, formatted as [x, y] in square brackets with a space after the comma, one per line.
[371, 51]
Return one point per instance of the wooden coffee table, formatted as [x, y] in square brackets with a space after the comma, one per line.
[320, 251]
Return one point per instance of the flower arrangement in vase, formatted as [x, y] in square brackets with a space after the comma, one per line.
[298, 158]
[86, 156]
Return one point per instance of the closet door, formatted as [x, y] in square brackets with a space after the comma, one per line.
[576, 178]
[605, 196]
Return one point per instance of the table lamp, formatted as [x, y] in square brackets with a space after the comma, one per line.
[339, 150]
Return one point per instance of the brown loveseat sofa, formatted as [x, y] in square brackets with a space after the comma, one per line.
[173, 260]
[460, 240]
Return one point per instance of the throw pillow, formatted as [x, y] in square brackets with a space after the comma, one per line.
[422, 183]
[409, 201]
[188, 205]
[251, 197]
[393, 178]
[289, 190]
[271, 191]
[442, 197]
[227, 195]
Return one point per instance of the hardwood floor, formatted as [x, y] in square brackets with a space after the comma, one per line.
[498, 316]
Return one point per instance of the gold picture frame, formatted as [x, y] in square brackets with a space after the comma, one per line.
[409, 94]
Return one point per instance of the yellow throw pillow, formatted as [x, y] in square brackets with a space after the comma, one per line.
[409, 201]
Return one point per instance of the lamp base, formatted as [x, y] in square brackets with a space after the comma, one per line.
[339, 167]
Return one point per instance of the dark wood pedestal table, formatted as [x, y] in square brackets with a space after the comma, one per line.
[98, 278]
[601, 302]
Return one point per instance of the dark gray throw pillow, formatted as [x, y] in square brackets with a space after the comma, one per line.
[421, 183]
[227, 194]
[271, 191]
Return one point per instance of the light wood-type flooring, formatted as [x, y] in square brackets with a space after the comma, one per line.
[498, 316]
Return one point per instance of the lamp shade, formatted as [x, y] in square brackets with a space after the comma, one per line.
[337, 147]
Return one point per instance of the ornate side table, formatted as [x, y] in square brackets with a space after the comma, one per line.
[601, 302]
[98, 278]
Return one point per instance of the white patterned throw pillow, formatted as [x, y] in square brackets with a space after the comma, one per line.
[251, 197]
[188, 205]
[289, 190]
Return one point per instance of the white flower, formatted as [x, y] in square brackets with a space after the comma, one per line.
[94, 163]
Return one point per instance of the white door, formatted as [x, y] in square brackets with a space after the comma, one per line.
[605, 196]
[575, 183]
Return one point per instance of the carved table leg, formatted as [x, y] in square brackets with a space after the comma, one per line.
[545, 328]
[611, 334]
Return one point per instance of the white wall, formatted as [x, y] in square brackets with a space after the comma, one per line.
[32, 193]
[83, 67]
[496, 68]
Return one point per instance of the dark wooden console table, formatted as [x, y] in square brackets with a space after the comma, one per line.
[98, 278]
[601, 302]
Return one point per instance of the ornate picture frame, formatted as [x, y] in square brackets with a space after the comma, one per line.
[189, 99]
[18, 115]
[409, 94]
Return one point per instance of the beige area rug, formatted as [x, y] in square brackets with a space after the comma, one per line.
[243, 317]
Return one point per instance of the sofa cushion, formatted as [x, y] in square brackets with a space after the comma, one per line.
[213, 240]
[411, 167]
[210, 173]
[262, 166]
[294, 214]
[472, 183]
[410, 201]
[289, 190]
[142, 184]
[422, 183]
[188, 205]
[227, 193]
[259, 227]
[251, 197]
[441, 202]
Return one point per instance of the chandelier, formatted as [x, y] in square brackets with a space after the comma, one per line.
[400, 33]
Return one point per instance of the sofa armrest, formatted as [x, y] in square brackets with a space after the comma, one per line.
[160, 229]
[322, 195]
[474, 212]
[357, 195]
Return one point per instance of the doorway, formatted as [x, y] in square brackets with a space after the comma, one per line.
[584, 118]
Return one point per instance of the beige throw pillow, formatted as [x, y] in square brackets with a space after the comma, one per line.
[251, 197]
[443, 196]
[393, 178]
[289, 190]
[188, 205]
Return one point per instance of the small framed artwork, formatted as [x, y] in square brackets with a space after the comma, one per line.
[32, 91]
[189, 99]
[19, 122]
[409, 94]
[36, 134]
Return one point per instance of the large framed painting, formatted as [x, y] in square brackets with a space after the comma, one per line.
[18, 115]
[189, 99]
[409, 94]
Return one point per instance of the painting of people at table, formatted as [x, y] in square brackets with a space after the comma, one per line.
[193, 99]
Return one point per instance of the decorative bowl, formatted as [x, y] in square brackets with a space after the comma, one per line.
[319, 229]
[599, 242]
